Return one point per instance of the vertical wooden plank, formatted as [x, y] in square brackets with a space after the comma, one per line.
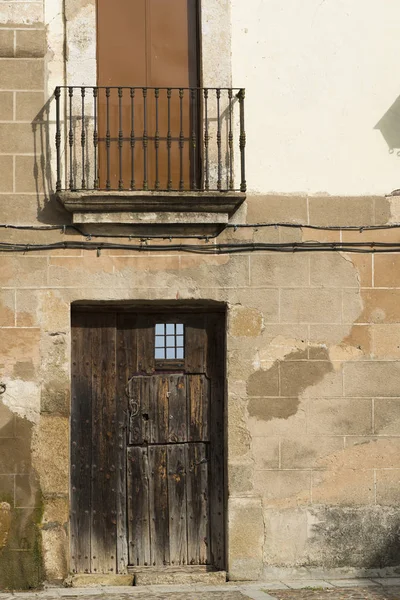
[198, 408]
[135, 410]
[126, 366]
[159, 408]
[81, 455]
[138, 506]
[145, 413]
[196, 344]
[198, 507]
[145, 344]
[104, 480]
[177, 426]
[215, 370]
[158, 506]
[176, 457]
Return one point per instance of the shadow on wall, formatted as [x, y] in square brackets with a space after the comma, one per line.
[49, 210]
[21, 512]
[389, 126]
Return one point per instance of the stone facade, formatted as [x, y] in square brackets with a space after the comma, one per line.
[313, 351]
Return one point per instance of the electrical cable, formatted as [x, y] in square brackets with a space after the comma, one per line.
[234, 226]
[227, 248]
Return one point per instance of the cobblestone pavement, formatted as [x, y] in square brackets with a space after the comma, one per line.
[350, 589]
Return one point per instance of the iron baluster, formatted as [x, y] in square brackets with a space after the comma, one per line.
[242, 143]
[71, 139]
[83, 137]
[181, 140]
[206, 143]
[145, 139]
[218, 94]
[120, 139]
[194, 140]
[108, 138]
[132, 94]
[157, 139]
[57, 94]
[95, 139]
[169, 138]
[230, 142]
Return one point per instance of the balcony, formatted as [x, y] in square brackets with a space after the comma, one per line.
[151, 156]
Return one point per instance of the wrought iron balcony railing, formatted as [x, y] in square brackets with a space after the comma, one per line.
[140, 138]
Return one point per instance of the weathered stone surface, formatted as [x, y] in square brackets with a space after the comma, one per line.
[51, 449]
[386, 340]
[55, 548]
[29, 105]
[246, 534]
[311, 305]
[7, 173]
[266, 452]
[5, 522]
[240, 479]
[23, 271]
[93, 580]
[264, 383]
[277, 209]
[30, 43]
[279, 269]
[314, 537]
[345, 487]
[171, 577]
[332, 270]
[378, 378]
[283, 488]
[336, 210]
[379, 306]
[245, 322]
[339, 416]
[27, 178]
[23, 13]
[16, 138]
[23, 74]
[6, 106]
[387, 487]
[386, 416]
[306, 452]
[6, 43]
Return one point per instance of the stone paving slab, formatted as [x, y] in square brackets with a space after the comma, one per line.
[308, 583]
[377, 592]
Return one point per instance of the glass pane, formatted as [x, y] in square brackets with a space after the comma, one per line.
[170, 352]
[160, 353]
[179, 329]
[170, 329]
[160, 341]
[160, 329]
[179, 340]
[170, 341]
[179, 353]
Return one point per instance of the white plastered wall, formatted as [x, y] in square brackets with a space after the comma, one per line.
[319, 76]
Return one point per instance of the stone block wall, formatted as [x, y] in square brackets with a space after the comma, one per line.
[313, 393]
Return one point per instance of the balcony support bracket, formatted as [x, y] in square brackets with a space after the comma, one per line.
[165, 212]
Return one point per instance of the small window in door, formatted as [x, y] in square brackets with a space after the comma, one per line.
[169, 341]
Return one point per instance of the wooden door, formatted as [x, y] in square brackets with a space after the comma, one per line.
[150, 44]
[147, 473]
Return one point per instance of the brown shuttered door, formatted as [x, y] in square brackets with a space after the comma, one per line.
[147, 440]
[152, 44]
